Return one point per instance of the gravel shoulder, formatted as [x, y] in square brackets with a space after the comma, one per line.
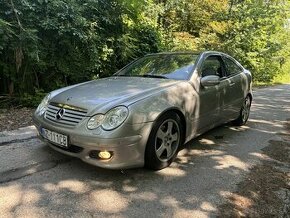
[265, 190]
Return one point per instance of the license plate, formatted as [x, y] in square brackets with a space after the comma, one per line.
[55, 137]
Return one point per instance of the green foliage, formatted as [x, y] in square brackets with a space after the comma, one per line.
[283, 75]
[46, 44]
[255, 32]
[255, 37]
[32, 100]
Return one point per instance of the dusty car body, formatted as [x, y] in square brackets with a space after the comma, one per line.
[143, 113]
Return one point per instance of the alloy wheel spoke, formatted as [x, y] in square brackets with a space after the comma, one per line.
[244, 117]
[160, 150]
[160, 134]
[174, 137]
[247, 103]
[169, 150]
[245, 112]
[169, 129]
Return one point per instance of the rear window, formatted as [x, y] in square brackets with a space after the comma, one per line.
[232, 67]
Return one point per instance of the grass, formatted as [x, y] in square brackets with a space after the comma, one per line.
[282, 78]
[278, 80]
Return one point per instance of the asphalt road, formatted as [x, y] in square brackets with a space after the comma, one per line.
[36, 181]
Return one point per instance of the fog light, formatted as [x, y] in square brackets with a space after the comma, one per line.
[105, 155]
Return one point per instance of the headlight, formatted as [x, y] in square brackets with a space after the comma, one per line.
[111, 120]
[95, 121]
[115, 117]
[42, 107]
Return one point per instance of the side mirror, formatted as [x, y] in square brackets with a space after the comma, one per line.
[211, 80]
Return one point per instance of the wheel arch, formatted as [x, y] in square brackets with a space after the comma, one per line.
[181, 116]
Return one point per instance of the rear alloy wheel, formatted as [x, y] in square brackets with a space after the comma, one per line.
[163, 142]
[244, 113]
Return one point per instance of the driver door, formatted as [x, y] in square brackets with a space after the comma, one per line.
[210, 96]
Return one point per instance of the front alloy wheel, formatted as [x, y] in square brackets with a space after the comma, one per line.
[167, 140]
[163, 142]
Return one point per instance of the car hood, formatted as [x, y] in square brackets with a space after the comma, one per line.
[98, 96]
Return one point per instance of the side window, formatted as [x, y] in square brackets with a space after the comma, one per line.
[212, 66]
[232, 67]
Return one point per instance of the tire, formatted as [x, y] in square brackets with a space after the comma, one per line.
[244, 112]
[164, 140]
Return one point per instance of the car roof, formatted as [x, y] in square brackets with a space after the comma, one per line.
[188, 52]
[198, 53]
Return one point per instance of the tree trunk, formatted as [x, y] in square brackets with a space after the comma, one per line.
[11, 88]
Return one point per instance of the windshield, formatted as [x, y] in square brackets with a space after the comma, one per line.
[168, 66]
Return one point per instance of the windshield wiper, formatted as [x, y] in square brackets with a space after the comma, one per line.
[154, 76]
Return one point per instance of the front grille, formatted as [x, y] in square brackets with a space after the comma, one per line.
[69, 117]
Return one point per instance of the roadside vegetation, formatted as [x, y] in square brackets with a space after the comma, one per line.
[47, 44]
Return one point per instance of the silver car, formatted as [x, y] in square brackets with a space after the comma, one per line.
[141, 115]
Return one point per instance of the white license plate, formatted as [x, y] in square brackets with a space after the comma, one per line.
[54, 137]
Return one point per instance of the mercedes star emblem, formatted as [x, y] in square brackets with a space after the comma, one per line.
[59, 114]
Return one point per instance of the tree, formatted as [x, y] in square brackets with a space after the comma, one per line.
[49, 44]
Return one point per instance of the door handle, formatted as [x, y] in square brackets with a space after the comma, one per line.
[232, 83]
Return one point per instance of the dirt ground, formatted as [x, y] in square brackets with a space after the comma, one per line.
[15, 118]
[265, 192]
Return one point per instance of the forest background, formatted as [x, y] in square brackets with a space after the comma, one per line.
[47, 44]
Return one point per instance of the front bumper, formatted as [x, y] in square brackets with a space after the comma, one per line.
[127, 143]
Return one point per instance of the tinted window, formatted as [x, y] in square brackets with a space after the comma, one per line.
[232, 67]
[171, 66]
[212, 66]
